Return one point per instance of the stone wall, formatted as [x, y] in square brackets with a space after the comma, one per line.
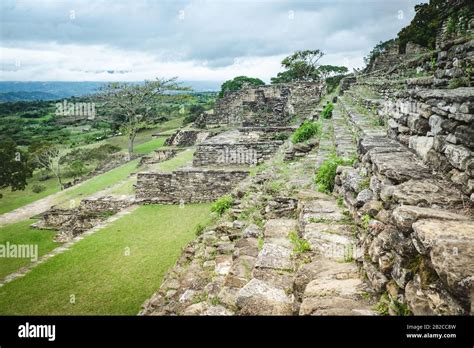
[186, 137]
[438, 124]
[417, 245]
[235, 154]
[263, 106]
[187, 185]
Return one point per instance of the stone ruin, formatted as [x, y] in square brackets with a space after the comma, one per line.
[253, 124]
[409, 200]
[263, 106]
[90, 212]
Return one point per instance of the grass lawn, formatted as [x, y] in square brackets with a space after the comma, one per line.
[149, 146]
[143, 145]
[97, 183]
[97, 271]
[21, 233]
[15, 199]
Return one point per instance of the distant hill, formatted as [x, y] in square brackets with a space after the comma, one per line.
[37, 90]
[19, 96]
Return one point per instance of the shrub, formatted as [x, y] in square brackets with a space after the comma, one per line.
[327, 111]
[327, 173]
[222, 205]
[306, 131]
[37, 188]
[300, 245]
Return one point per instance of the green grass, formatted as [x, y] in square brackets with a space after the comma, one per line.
[145, 135]
[149, 146]
[97, 183]
[16, 199]
[97, 272]
[174, 163]
[12, 200]
[22, 233]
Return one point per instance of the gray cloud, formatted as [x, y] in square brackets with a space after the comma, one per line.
[210, 32]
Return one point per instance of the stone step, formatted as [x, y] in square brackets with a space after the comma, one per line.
[321, 211]
[258, 297]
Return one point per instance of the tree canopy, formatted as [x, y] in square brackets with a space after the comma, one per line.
[134, 103]
[14, 168]
[238, 82]
[300, 66]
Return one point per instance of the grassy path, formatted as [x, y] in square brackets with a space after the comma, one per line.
[110, 272]
[75, 193]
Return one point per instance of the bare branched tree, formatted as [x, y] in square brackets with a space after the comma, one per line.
[134, 102]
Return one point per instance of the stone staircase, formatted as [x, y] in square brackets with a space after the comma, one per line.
[397, 240]
[300, 259]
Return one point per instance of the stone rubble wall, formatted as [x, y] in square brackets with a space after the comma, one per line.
[251, 153]
[263, 106]
[418, 242]
[74, 221]
[187, 185]
[186, 137]
[438, 124]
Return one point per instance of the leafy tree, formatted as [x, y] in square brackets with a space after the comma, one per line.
[134, 103]
[423, 28]
[238, 82]
[50, 157]
[14, 167]
[326, 71]
[300, 66]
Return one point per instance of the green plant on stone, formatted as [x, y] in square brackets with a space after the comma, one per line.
[383, 305]
[433, 63]
[348, 253]
[340, 202]
[400, 308]
[327, 111]
[260, 243]
[366, 218]
[222, 205]
[306, 131]
[317, 220]
[326, 173]
[300, 245]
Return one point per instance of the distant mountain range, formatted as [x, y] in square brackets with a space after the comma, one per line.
[54, 90]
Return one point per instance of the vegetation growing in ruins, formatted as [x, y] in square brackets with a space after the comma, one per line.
[327, 111]
[300, 245]
[326, 173]
[238, 82]
[380, 48]
[306, 131]
[222, 205]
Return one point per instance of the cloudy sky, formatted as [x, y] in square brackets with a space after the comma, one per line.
[132, 40]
